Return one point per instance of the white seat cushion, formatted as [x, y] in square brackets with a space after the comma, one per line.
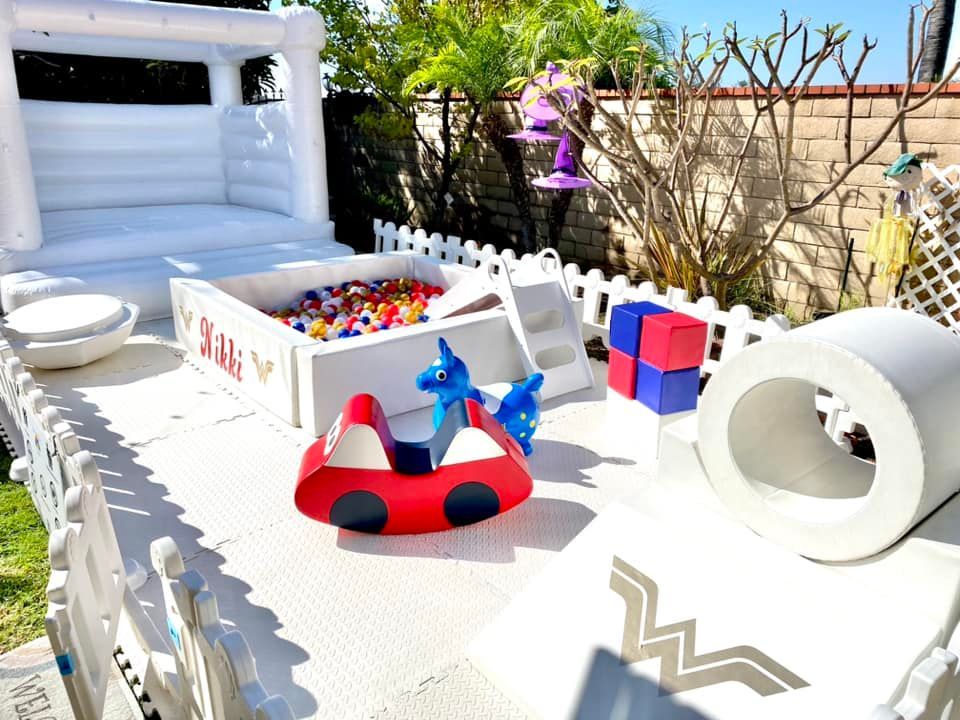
[77, 237]
[146, 281]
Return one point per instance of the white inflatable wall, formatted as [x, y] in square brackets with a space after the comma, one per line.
[267, 159]
[772, 464]
[19, 215]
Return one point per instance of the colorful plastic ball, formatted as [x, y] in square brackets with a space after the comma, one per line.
[358, 307]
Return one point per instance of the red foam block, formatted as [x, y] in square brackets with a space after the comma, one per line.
[622, 373]
[673, 341]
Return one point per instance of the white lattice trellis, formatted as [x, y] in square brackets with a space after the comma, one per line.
[932, 285]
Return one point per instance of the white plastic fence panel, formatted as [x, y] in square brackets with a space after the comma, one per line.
[932, 285]
[597, 295]
[54, 460]
[86, 590]
[217, 672]
[10, 367]
[932, 691]
[390, 238]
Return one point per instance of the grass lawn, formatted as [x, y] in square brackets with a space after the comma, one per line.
[24, 568]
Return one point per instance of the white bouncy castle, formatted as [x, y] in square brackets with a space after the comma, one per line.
[120, 198]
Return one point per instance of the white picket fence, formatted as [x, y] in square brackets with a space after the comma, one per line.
[90, 601]
[217, 672]
[728, 331]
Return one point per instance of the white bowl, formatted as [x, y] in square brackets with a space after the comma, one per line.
[69, 331]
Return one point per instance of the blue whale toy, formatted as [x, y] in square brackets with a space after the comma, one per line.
[518, 411]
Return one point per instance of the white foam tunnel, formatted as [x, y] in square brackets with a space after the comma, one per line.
[772, 464]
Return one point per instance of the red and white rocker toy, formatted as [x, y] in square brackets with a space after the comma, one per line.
[359, 477]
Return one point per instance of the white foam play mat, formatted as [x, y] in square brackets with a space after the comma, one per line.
[602, 595]
[342, 625]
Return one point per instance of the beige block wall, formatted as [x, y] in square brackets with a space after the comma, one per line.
[806, 264]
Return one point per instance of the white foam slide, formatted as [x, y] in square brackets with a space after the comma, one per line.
[538, 304]
[772, 464]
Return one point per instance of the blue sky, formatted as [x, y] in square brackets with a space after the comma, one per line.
[883, 20]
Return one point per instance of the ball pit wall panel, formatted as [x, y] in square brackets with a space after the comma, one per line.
[233, 342]
[306, 382]
[484, 340]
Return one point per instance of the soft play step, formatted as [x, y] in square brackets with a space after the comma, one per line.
[672, 612]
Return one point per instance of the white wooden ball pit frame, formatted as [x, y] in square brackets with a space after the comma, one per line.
[306, 382]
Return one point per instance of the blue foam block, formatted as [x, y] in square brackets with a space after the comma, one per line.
[667, 391]
[626, 325]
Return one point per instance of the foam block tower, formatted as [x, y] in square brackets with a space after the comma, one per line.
[654, 373]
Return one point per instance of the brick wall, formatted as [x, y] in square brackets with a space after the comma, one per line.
[806, 265]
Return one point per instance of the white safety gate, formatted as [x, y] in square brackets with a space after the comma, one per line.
[93, 609]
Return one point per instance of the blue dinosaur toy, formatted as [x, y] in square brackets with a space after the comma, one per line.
[449, 379]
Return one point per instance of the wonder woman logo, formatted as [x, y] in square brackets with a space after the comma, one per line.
[263, 368]
[187, 316]
[675, 644]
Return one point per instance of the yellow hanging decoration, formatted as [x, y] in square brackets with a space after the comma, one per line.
[888, 243]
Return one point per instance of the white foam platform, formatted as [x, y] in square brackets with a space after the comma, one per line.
[656, 614]
[922, 570]
[68, 332]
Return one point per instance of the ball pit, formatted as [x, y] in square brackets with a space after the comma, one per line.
[358, 308]
[227, 327]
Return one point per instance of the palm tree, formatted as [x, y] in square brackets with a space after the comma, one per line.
[600, 35]
[473, 57]
[937, 41]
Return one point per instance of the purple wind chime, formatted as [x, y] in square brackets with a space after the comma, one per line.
[539, 113]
